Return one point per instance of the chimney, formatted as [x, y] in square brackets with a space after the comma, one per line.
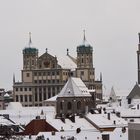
[108, 116]
[114, 122]
[138, 107]
[72, 118]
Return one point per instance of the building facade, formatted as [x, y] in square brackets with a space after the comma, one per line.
[74, 99]
[42, 77]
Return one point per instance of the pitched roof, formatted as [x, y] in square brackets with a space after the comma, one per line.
[113, 95]
[74, 88]
[135, 91]
[38, 125]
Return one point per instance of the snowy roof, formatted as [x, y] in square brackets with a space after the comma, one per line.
[52, 98]
[66, 62]
[6, 95]
[74, 87]
[117, 134]
[82, 135]
[69, 125]
[102, 121]
[14, 105]
[23, 115]
[113, 95]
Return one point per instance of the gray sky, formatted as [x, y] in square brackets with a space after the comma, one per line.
[111, 26]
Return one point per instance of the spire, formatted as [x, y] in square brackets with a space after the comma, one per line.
[139, 37]
[30, 40]
[13, 78]
[84, 39]
[100, 76]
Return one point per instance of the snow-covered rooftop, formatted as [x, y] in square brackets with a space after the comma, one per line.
[74, 87]
[66, 62]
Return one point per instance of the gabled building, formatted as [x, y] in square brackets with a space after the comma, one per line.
[74, 99]
[42, 77]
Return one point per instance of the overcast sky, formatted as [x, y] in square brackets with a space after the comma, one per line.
[111, 26]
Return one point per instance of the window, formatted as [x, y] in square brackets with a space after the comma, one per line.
[78, 105]
[25, 89]
[16, 89]
[53, 73]
[57, 73]
[30, 89]
[44, 73]
[21, 98]
[17, 98]
[82, 72]
[33, 62]
[40, 96]
[39, 73]
[44, 95]
[82, 60]
[35, 96]
[27, 74]
[53, 81]
[25, 98]
[44, 81]
[40, 81]
[48, 73]
[20, 89]
[53, 93]
[35, 74]
[61, 105]
[49, 95]
[69, 106]
[30, 98]
[35, 81]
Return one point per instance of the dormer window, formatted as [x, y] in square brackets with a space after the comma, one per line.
[68, 91]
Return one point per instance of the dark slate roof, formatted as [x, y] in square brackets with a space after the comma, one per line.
[30, 50]
[135, 91]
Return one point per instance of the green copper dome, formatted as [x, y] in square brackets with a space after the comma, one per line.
[30, 50]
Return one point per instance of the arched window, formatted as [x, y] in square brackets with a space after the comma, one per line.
[61, 105]
[69, 106]
[78, 105]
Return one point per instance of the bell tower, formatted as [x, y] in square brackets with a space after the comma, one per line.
[138, 59]
[30, 55]
[84, 54]
[85, 69]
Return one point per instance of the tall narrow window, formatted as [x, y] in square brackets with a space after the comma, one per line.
[69, 106]
[61, 105]
[78, 105]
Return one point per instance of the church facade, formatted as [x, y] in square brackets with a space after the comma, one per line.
[42, 77]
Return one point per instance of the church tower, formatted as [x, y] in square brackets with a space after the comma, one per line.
[84, 54]
[138, 60]
[85, 69]
[30, 55]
